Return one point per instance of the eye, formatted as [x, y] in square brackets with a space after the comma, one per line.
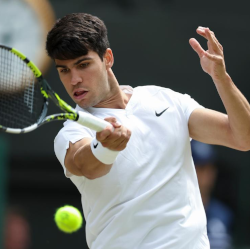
[64, 70]
[83, 65]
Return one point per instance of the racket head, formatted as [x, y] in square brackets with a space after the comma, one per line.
[24, 95]
[21, 103]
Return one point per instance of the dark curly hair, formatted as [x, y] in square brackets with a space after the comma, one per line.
[75, 34]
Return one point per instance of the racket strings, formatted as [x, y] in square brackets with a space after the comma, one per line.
[20, 99]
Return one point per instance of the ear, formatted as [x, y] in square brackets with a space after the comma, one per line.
[109, 58]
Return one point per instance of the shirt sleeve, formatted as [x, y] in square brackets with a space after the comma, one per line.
[71, 132]
[184, 101]
[189, 105]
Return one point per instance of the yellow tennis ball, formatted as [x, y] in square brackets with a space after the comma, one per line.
[68, 219]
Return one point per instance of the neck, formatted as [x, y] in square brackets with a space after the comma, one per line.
[117, 99]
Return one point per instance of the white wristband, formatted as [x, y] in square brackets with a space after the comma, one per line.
[103, 154]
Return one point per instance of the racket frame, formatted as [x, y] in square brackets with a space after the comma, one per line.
[70, 113]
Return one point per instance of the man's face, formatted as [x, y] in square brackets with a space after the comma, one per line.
[85, 79]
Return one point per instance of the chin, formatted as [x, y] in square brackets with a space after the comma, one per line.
[85, 105]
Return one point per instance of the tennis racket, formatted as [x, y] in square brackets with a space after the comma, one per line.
[24, 95]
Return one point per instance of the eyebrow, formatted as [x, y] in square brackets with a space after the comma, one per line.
[76, 63]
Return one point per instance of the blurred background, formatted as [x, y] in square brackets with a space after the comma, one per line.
[149, 39]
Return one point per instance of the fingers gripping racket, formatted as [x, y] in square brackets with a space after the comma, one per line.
[24, 95]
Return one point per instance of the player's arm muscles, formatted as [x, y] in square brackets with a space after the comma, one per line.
[79, 158]
[212, 127]
[80, 161]
[231, 130]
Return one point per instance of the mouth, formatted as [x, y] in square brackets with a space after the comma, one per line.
[79, 94]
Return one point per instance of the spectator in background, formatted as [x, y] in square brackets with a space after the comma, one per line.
[219, 216]
[17, 230]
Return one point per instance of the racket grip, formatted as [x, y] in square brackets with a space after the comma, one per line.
[92, 122]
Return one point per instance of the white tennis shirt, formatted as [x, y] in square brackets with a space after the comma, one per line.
[150, 199]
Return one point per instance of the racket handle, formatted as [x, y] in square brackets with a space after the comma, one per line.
[92, 122]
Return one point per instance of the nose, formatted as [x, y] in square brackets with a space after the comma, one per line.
[75, 77]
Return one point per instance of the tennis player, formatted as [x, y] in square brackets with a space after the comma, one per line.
[137, 180]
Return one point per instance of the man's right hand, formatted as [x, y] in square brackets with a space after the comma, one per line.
[115, 137]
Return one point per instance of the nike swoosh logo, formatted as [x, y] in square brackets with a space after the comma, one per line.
[96, 145]
[159, 114]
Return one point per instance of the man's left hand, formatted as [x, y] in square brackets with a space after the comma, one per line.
[212, 60]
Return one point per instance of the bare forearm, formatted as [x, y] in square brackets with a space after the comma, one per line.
[84, 158]
[238, 110]
[232, 130]
[87, 163]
